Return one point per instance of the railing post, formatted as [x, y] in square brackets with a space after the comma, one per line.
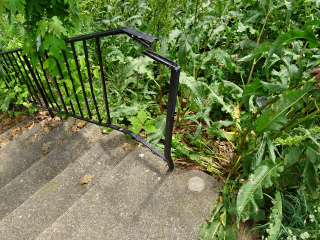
[173, 92]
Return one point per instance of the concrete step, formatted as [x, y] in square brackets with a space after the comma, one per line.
[20, 155]
[138, 193]
[40, 173]
[44, 207]
[177, 210]
[9, 131]
[25, 140]
[113, 201]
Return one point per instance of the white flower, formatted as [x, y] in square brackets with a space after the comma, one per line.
[312, 218]
[305, 235]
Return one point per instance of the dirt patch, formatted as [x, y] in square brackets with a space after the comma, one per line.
[7, 122]
[23, 122]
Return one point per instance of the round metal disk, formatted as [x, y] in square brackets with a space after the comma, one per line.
[195, 184]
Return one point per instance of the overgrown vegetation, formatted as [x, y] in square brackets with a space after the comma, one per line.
[247, 109]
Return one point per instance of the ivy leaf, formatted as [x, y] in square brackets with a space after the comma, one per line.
[3, 6]
[17, 6]
[6, 103]
[42, 27]
[149, 126]
[54, 44]
[136, 125]
[142, 115]
[251, 190]
[56, 27]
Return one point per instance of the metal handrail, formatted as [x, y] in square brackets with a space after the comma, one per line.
[46, 99]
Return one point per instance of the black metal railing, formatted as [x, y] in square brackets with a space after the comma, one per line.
[53, 92]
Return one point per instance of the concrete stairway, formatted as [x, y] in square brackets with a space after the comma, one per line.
[124, 192]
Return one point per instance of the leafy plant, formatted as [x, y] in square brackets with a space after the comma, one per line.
[140, 122]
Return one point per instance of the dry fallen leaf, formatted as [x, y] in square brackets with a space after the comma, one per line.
[69, 164]
[4, 141]
[46, 146]
[128, 147]
[80, 123]
[85, 179]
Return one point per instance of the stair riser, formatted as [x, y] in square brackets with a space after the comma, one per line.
[15, 160]
[30, 181]
[43, 208]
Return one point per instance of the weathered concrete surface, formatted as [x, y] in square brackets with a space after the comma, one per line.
[44, 207]
[113, 202]
[40, 173]
[177, 210]
[139, 199]
[20, 154]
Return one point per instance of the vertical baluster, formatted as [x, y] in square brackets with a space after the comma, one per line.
[65, 88]
[43, 88]
[16, 62]
[90, 79]
[102, 79]
[14, 69]
[8, 69]
[80, 79]
[58, 89]
[38, 85]
[71, 79]
[47, 80]
[28, 78]
[7, 76]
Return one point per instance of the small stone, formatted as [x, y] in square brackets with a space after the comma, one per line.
[195, 184]
[141, 155]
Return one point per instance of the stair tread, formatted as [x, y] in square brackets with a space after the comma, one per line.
[143, 202]
[23, 141]
[175, 211]
[31, 180]
[113, 201]
[15, 160]
[44, 207]
[9, 131]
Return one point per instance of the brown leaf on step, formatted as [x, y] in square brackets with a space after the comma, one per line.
[43, 154]
[85, 179]
[128, 147]
[15, 130]
[46, 146]
[4, 141]
[69, 164]
[29, 125]
[80, 123]
[46, 129]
